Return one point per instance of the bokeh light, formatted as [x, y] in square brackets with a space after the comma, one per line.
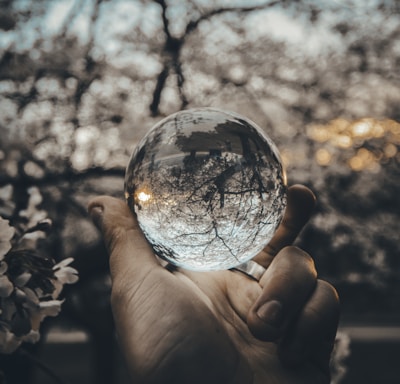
[364, 144]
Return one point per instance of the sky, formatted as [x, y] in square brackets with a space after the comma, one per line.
[119, 16]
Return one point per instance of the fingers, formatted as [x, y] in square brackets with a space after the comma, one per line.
[313, 333]
[130, 253]
[300, 204]
[287, 284]
[296, 310]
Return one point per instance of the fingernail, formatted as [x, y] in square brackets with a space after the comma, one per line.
[96, 213]
[271, 313]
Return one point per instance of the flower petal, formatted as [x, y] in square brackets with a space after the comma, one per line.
[50, 307]
[31, 295]
[6, 286]
[67, 275]
[6, 234]
[63, 263]
[3, 267]
[32, 337]
[8, 342]
[22, 279]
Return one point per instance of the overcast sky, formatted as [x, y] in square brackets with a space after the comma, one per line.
[119, 16]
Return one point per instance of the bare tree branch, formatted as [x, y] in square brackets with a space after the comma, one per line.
[73, 13]
[85, 82]
[218, 11]
[173, 46]
[161, 79]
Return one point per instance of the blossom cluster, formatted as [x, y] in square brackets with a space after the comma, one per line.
[30, 285]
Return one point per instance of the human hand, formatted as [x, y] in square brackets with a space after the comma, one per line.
[179, 326]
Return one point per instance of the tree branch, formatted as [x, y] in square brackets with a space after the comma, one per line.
[69, 175]
[195, 23]
[163, 5]
[161, 80]
[173, 47]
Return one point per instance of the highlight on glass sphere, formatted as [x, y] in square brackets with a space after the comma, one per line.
[208, 188]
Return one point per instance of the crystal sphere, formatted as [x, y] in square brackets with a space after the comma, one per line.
[208, 188]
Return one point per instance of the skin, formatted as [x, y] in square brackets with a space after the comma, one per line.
[222, 327]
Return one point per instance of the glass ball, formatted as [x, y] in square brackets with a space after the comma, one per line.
[208, 188]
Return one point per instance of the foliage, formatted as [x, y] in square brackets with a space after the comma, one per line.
[29, 285]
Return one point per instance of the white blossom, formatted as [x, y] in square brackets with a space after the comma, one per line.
[50, 308]
[32, 293]
[9, 342]
[64, 275]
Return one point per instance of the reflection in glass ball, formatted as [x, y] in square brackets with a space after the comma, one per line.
[208, 189]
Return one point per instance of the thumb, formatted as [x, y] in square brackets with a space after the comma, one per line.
[131, 256]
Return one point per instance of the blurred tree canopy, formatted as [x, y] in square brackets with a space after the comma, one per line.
[81, 81]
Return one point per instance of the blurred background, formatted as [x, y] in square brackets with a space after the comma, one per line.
[81, 81]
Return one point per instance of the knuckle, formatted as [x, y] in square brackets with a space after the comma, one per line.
[299, 261]
[329, 292]
[325, 307]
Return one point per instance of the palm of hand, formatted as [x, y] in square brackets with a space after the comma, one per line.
[190, 327]
[198, 327]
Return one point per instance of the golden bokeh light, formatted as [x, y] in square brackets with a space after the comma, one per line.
[390, 150]
[319, 133]
[323, 157]
[143, 196]
[343, 134]
[364, 159]
[342, 141]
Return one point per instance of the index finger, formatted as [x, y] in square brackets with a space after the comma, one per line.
[300, 204]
